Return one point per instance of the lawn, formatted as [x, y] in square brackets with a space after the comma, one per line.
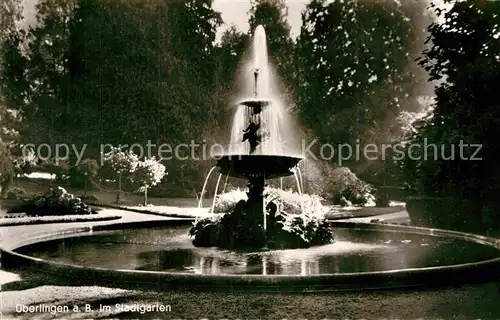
[108, 196]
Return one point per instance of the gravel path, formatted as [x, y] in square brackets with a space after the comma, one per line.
[470, 302]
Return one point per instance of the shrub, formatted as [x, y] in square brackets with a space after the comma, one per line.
[16, 193]
[293, 203]
[349, 186]
[148, 173]
[236, 229]
[56, 201]
[123, 165]
[382, 200]
[227, 201]
[287, 200]
[89, 198]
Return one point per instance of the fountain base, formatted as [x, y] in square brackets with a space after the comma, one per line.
[244, 226]
[237, 230]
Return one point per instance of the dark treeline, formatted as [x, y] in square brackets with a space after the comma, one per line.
[114, 71]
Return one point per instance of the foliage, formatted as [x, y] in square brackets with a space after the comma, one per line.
[56, 201]
[25, 163]
[93, 72]
[349, 186]
[333, 183]
[122, 162]
[89, 197]
[226, 202]
[287, 201]
[149, 172]
[89, 167]
[16, 193]
[84, 174]
[356, 69]
[57, 167]
[242, 228]
[293, 203]
[464, 56]
[6, 169]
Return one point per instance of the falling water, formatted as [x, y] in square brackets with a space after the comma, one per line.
[264, 213]
[297, 180]
[281, 183]
[236, 145]
[299, 190]
[215, 194]
[225, 184]
[301, 178]
[200, 202]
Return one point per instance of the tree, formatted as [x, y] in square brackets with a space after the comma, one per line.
[122, 163]
[90, 170]
[10, 16]
[464, 56]
[149, 173]
[355, 68]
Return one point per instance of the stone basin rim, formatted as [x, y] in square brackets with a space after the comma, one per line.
[407, 276]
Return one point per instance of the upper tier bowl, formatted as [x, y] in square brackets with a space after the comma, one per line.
[250, 166]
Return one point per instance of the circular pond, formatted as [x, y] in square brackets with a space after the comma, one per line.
[168, 249]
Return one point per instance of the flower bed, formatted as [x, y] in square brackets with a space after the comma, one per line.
[286, 200]
[14, 221]
[55, 202]
[292, 221]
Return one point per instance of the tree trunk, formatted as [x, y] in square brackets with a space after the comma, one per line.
[145, 196]
[118, 193]
[86, 187]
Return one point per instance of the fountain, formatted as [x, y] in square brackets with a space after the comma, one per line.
[257, 155]
[157, 254]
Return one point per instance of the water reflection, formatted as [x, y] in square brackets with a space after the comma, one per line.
[170, 250]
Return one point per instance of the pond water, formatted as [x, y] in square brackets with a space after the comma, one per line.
[170, 250]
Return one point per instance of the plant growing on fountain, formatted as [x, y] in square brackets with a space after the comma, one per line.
[148, 173]
[56, 201]
[287, 200]
[122, 162]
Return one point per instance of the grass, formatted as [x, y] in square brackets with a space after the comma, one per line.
[106, 196]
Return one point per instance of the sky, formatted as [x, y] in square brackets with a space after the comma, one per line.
[233, 12]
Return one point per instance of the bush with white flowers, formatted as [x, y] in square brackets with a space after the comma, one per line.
[148, 173]
[25, 163]
[122, 162]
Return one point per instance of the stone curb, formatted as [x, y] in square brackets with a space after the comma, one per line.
[478, 272]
